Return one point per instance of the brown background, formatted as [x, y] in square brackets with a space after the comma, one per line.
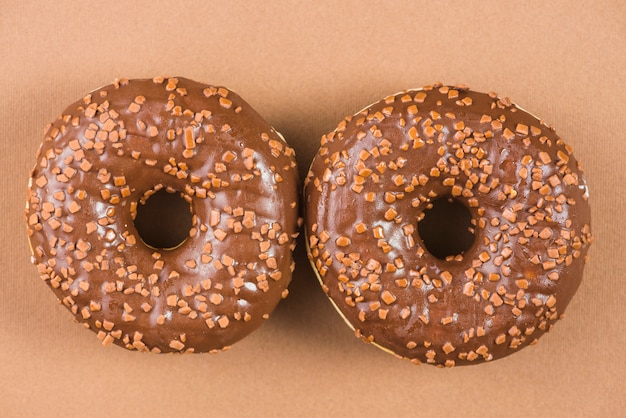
[304, 66]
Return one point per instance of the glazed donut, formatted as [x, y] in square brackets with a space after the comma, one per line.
[377, 176]
[103, 158]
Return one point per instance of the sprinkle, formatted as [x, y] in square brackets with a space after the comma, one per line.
[176, 345]
[508, 134]
[74, 207]
[446, 276]
[343, 241]
[448, 348]
[219, 234]
[390, 214]
[225, 103]
[388, 297]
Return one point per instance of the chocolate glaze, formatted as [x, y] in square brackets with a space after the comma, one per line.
[107, 153]
[369, 185]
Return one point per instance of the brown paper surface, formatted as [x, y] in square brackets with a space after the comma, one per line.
[304, 66]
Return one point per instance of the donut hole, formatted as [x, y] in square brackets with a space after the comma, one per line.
[163, 221]
[446, 228]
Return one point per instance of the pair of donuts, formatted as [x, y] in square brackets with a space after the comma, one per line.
[373, 185]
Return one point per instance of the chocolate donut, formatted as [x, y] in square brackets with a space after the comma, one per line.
[105, 156]
[384, 172]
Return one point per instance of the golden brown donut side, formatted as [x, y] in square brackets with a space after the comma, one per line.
[371, 181]
[106, 153]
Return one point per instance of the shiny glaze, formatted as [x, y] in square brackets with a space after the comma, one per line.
[500, 295]
[203, 142]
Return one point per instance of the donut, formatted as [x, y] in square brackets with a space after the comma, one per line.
[428, 294]
[101, 162]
